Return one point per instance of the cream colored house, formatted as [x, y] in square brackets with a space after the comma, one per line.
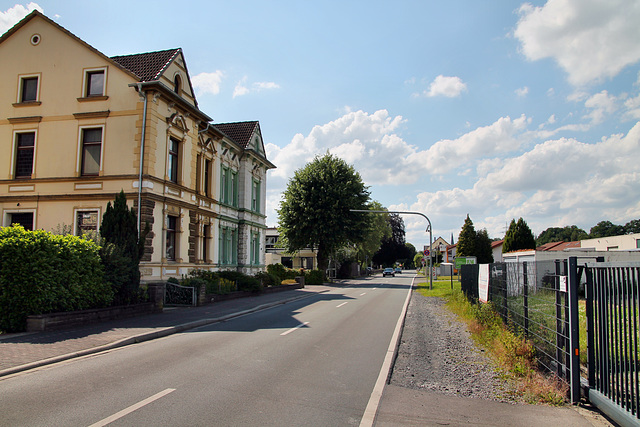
[305, 258]
[73, 125]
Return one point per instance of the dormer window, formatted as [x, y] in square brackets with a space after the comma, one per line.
[177, 84]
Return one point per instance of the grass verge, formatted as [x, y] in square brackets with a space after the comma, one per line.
[514, 355]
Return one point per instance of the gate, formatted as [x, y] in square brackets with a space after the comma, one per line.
[613, 339]
[177, 295]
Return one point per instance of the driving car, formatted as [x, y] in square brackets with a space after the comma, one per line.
[398, 270]
[388, 272]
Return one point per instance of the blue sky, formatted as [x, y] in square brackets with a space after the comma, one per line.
[496, 109]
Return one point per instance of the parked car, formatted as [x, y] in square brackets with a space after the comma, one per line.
[388, 272]
[398, 270]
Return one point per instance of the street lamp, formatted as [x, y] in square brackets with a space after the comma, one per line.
[409, 213]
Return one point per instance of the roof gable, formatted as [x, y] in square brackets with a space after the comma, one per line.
[148, 66]
[240, 132]
[36, 14]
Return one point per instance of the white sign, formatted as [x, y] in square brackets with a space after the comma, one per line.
[433, 273]
[483, 283]
[563, 283]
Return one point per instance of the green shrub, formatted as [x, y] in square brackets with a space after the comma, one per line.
[268, 279]
[44, 273]
[314, 277]
[244, 282]
[277, 270]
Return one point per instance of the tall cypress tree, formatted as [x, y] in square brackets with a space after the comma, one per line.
[518, 237]
[466, 239]
[121, 250]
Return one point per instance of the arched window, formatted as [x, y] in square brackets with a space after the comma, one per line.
[177, 82]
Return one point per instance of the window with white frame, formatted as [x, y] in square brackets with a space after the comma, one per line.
[28, 89]
[255, 248]
[24, 219]
[228, 246]
[229, 186]
[171, 237]
[173, 170]
[255, 195]
[87, 222]
[94, 83]
[25, 150]
[91, 140]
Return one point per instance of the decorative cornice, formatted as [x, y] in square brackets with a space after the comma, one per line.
[92, 114]
[28, 119]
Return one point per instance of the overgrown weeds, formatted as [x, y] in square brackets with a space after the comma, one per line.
[514, 354]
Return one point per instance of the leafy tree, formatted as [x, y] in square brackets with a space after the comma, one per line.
[315, 210]
[393, 247]
[564, 234]
[606, 229]
[632, 227]
[483, 247]
[121, 250]
[372, 239]
[518, 237]
[411, 253]
[467, 239]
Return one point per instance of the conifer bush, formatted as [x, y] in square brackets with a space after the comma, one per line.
[44, 273]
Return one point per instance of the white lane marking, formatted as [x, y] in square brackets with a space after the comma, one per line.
[374, 401]
[338, 306]
[364, 293]
[293, 329]
[132, 408]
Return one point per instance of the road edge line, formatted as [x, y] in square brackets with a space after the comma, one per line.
[371, 410]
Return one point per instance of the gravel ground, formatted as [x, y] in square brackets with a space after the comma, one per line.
[436, 353]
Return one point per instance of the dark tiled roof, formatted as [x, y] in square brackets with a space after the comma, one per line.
[147, 66]
[240, 132]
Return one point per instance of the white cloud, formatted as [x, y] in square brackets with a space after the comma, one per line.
[13, 15]
[243, 89]
[450, 87]
[497, 139]
[600, 105]
[590, 39]
[208, 82]
[522, 92]
[556, 183]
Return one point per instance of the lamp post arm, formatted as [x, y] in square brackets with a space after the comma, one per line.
[429, 229]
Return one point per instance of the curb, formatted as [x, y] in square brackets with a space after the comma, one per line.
[147, 336]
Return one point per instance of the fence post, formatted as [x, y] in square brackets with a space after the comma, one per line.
[574, 329]
[560, 334]
[526, 300]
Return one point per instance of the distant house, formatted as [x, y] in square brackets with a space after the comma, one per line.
[496, 250]
[77, 127]
[306, 258]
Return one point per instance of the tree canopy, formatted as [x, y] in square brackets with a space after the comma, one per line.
[606, 229]
[467, 239]
[372, 239]
[316, 208]
[518, 237]
[484, 254]
[565, 234]
[393, 248]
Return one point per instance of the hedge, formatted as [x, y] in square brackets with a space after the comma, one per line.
[44, 273]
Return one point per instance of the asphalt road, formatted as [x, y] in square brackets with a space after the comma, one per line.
[310, 362]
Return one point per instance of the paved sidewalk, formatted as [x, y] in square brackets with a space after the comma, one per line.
[20, 352]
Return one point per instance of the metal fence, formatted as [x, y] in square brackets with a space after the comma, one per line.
[613, 340]
[532, 300]
[541, 301]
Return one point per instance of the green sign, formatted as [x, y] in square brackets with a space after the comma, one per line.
[464, 260]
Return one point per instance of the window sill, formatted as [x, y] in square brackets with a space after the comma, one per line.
[27, 104]
[93, 98]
